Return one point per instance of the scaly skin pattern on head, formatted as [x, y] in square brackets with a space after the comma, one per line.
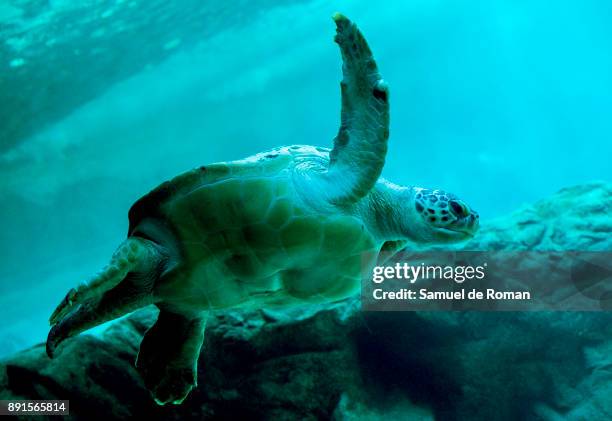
[285, 227]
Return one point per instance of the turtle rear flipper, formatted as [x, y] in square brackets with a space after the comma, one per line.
[168, 356]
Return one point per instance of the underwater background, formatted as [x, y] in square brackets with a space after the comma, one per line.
[501, 102]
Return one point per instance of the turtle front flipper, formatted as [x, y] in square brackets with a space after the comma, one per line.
[125, 285]
[133, 255]
[128, 296]
[168, 356]
[360, 147]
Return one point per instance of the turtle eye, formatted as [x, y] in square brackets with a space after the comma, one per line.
[459, 208]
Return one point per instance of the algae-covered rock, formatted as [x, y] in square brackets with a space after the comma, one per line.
[335, 362]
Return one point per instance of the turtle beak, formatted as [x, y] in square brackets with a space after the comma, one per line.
[468, 225]
[453, 235]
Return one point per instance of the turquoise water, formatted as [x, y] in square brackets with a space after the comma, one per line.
[500, 102]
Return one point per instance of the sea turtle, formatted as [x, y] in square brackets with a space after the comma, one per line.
[280, 228]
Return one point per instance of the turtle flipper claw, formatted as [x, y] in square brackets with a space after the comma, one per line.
[64, 307]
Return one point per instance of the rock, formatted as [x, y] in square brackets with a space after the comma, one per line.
[575, 218]
[335, 362]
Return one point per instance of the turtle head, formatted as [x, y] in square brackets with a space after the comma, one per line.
[439, 217]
